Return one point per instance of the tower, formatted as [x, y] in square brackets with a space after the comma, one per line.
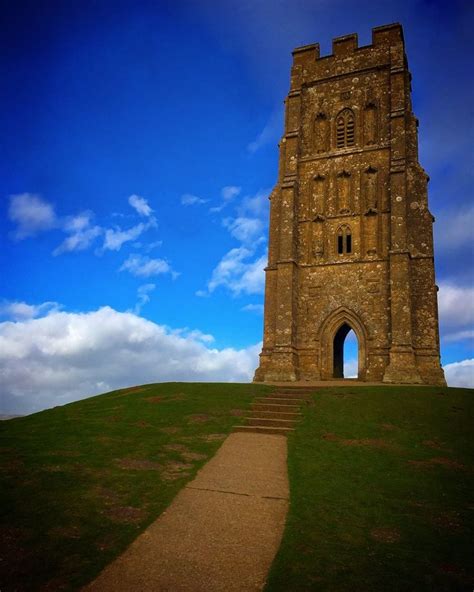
[351, 241]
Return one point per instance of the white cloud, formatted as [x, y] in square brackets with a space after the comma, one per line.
[143, 296]
[20, 311]
[66, 356]
[239, 275]
[155, 244]
[141, 205]
[32, 215]
[351, 368]
[460, 374]
[229, 192]
[236, 270]
[257, 308]
[142, 266]
[190, 200]
[79, 222]
[115, 238]
[193, 334]
[270, 133]
[256, 205]
[79, 240]
[456, 306]
[244, 229]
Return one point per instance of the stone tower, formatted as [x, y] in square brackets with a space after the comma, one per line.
[351, 241]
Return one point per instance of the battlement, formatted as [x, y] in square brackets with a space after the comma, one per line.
[383, 36]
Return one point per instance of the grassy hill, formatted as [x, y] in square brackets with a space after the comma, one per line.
[380, 483]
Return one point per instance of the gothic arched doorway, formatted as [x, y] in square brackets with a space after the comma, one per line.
[344, 346]
[334, 334]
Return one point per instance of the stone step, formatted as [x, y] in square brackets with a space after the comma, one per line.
[276, 414]
[307, 391]
[282, 395]
[276, 408]
[277, 423]
[281, 401]
[263, 430]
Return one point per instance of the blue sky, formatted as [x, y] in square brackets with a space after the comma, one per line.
[139, 145]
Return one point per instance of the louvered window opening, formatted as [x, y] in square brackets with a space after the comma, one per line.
[345, 129]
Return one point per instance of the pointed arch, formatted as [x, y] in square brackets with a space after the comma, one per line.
[344, 240]
[339, 319]
[345, 128]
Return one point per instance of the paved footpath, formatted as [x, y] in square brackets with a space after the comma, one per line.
[220, 533]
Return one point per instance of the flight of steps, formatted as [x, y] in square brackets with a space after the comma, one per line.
[278, 412]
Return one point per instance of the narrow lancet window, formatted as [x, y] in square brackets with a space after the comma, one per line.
[340, 242]
[344, 240]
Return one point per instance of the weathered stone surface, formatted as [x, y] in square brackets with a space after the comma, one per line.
[351, 240]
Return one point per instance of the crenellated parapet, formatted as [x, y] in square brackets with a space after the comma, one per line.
[387, 48]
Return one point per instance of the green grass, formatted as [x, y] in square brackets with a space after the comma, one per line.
[381, 485]
[380, 477]
[80, 482]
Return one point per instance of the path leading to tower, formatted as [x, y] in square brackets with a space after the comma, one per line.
[222, 530]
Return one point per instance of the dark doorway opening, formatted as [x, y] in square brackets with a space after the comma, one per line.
[338, 349]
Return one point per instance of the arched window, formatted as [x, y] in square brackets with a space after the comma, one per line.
[344, 240]
[345, 129]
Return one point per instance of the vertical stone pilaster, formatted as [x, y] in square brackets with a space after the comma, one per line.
[402, 364]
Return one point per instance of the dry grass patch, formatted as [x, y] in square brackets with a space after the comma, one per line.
[142, 424]
[184, 452]
[198, 418]
[126, 514]
[441, 461]
[388, 427]
[385, 535]
[138, 464]
[175, 470]
[370, 442]
[153, 399]
[170, 430]
[434, 444]
[66, 532]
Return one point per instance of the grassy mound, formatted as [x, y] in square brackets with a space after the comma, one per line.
[80, 482]
[381, 493]
[380, 477]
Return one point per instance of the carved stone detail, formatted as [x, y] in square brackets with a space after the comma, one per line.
[370, 124]
[321, 133]
[344, 192]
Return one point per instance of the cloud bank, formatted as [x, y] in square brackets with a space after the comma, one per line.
[64, 357]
